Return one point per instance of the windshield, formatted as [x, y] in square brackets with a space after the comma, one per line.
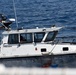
[38, 36]
[51, 36]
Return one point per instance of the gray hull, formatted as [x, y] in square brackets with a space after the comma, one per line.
[44, 61]
[25, 62]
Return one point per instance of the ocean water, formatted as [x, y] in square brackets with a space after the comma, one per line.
[44, 13]
[38, 13]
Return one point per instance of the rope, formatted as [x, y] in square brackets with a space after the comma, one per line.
[53, 47]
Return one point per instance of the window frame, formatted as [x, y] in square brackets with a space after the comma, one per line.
[38, 40]
[9, 36]
[52, 37]
[26, 42]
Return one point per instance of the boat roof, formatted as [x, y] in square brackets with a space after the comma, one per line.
[32, 30]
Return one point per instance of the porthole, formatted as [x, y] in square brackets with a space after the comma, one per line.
[65, 48]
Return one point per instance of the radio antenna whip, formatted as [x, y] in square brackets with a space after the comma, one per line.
[15, 13]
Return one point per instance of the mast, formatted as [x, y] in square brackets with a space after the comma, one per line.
[15, 14]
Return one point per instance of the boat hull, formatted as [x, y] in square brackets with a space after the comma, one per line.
[67, 60]
[37, 61]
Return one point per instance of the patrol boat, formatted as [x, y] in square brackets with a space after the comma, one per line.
[28, 43]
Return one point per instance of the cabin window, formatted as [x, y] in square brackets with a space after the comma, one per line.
[13, 39]
[51, 36]
[38, 36]
[26, 38]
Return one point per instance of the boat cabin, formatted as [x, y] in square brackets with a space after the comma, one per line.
[39, 35]
[27, 42]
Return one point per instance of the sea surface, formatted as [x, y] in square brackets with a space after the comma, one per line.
[44, 13]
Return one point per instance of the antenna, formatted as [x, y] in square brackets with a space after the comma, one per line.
[15, 13]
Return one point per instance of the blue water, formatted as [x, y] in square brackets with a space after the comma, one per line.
[43, 13]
